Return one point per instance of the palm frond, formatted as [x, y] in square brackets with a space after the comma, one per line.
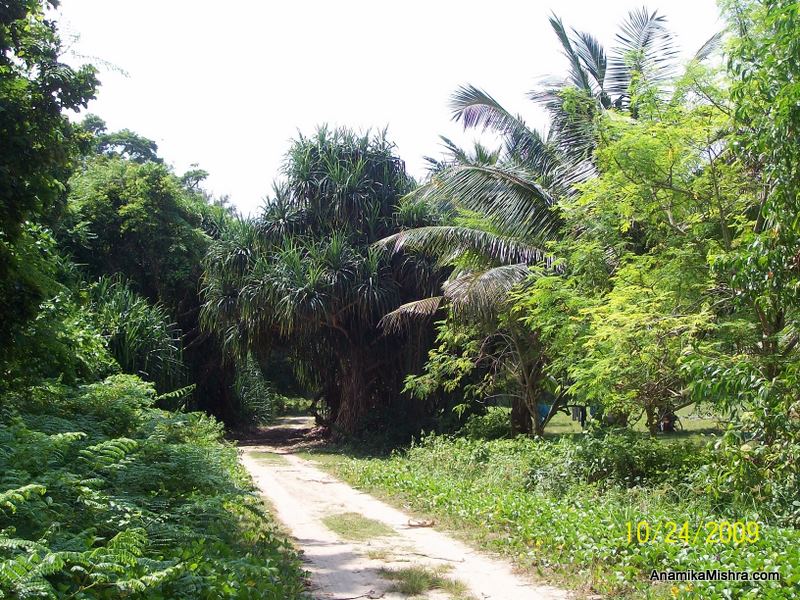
[473, 107]
[572, 131]
[449, 242]
[401, 318]
[577, 73]
[645, 51]
[592, 55]
[709, 47]
[506, 193]
[481, 293]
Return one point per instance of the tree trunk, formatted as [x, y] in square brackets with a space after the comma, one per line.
[353, 399]
[521, 422]
[651, 418]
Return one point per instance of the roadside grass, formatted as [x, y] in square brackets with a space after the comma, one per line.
[353, 526]
[324, 456]
[567, 532]
[415, 581]
[378, 554]
[535, 502]
[268, 457]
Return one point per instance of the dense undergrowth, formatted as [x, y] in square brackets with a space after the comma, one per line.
[561, 507]
[105, 496]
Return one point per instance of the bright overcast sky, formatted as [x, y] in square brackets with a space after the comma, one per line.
[228, 84]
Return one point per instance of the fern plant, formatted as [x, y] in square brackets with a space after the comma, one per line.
[102, 495]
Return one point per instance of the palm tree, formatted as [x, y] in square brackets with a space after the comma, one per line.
[305, 275]
[517, 190]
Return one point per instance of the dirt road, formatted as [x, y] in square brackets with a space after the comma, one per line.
[310, 503]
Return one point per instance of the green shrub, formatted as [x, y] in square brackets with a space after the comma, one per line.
[258, 400]
[753, 471]
[616, 457]
[104, 496]
[254, 394]
[295, 405]
[495, 424]
[141, 336]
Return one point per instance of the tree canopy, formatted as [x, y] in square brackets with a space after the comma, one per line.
[38, 150]
[304, 275]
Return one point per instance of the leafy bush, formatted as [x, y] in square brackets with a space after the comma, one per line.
[62, 340]
[627, 458]
[104, 496]
[258, 401]
[254, 394]
[495, 424]
[752, 471]
[295, 405]
[141, 336]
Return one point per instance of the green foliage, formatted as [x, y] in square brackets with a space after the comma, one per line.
[533, 500]
[751, 471]
[451, 364]
[139, 335]
[751, 368]
[544, 197]
[105, 496]
[294, 405]
[258, 400]
[39, 146]
[63, 340]
[136, 219]
[84, 332]
[617, 457]
[495, 424]
[638, 298]
[125, 143]
[305, 276]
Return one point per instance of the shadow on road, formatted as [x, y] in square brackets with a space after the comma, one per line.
[289, 434]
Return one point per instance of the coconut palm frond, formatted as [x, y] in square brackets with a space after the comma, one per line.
[645, 51]
[507, 194]
[592, 55]
[452, 241]
[401, 318]
[482, 293]
[473, 107]
[572, 129]
[578, 75]
[710, 46]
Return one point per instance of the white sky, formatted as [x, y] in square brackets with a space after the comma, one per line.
[228, 84]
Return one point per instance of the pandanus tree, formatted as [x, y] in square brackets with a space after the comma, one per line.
[306, 277]
[517, 190]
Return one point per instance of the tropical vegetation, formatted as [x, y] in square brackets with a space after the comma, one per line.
[635, 263]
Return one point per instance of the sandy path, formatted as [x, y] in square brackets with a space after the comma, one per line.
[340, 569]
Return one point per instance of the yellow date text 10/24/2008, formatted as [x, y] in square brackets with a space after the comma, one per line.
[707, 532]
